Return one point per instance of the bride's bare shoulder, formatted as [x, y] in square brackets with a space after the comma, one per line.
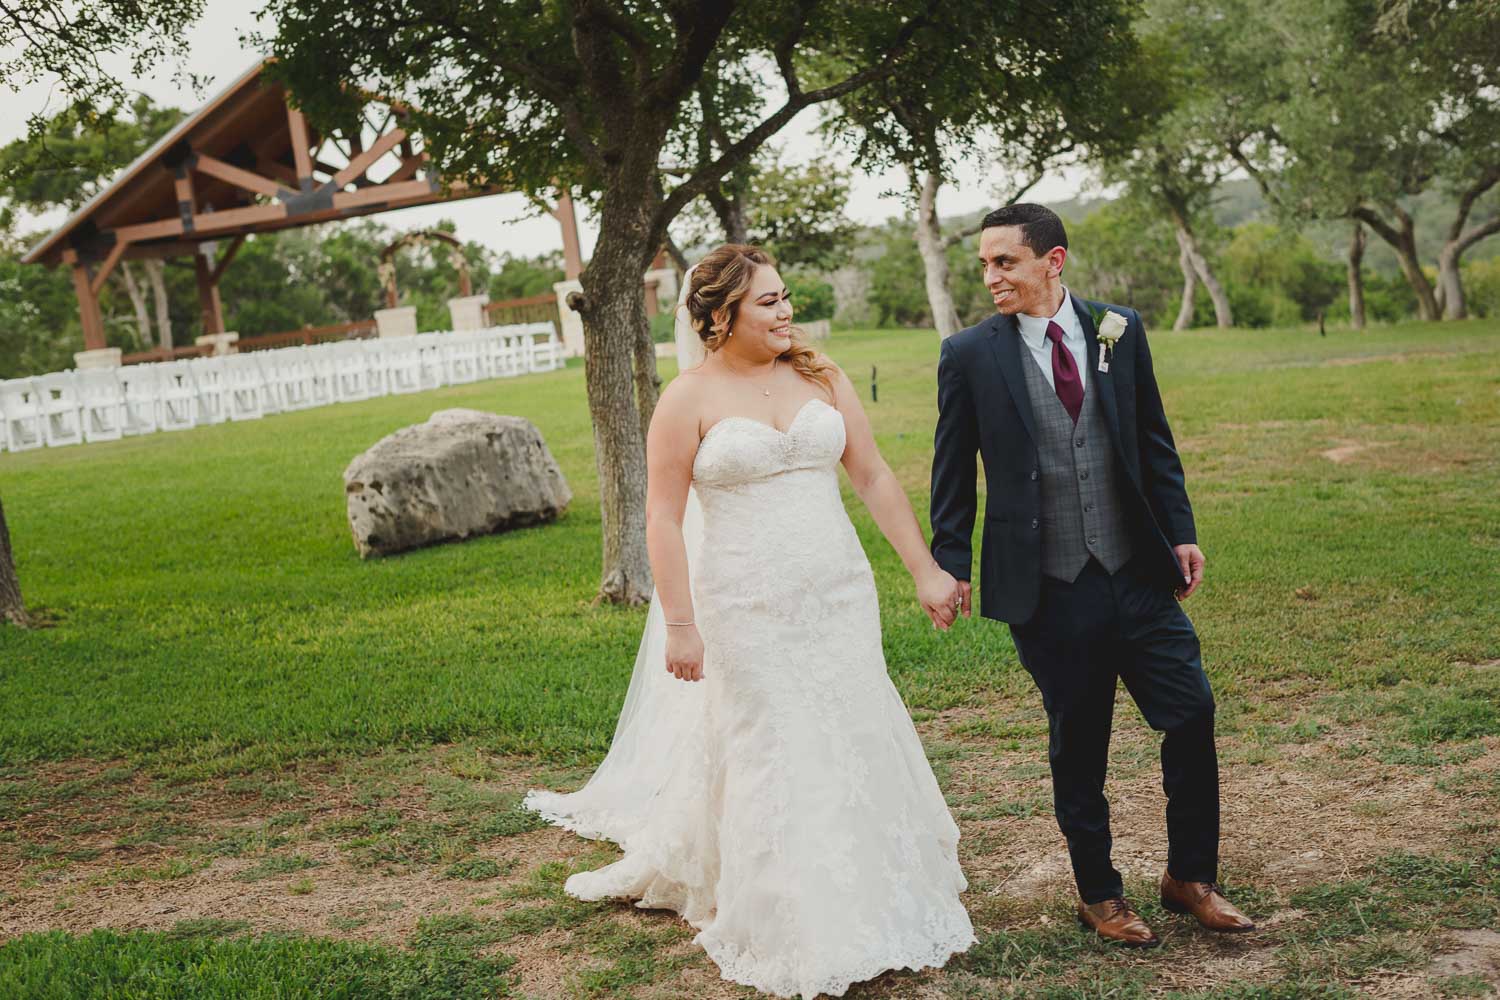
[684, 398]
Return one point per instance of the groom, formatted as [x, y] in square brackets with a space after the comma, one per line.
[1088, 545]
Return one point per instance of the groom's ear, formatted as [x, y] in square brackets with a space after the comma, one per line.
[1056, 257]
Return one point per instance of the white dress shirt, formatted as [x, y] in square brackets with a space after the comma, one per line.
[1034, 335]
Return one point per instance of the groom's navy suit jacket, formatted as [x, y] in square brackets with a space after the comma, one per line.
[984, 408]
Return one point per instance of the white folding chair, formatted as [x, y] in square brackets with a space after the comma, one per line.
[140, 393]
[375, 369]
[323, 373]
[21, 412]
[244, 387]
[460, 357]
[177, 396]
[208, 378]
[61, 424]
[490, 344]
[351, 371]
[402, 359]
[430, 352]
[544, 352]
[295, 375]
[266, 362]
[101, 404]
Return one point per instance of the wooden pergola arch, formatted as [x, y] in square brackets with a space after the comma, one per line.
[421, 237]
[248, 162]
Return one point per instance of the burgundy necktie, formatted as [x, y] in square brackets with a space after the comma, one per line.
[1065, 373]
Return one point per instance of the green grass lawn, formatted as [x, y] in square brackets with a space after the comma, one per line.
[213, 623]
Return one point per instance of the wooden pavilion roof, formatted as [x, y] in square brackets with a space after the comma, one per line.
[253, 165]
[248, 162]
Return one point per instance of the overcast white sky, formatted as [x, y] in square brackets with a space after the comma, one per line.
[501, 222]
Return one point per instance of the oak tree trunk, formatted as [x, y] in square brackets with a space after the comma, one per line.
[620, 371]
[138, 304]
[1404, 242]
[1188, 244]
[1357, 277]
[1189, 289]
[1450, 279]
[1411, 268]
[12, 608]
[934, 259]
[155, 271]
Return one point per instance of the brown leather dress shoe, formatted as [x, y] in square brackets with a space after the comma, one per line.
[1115, 920]
[1206, 902]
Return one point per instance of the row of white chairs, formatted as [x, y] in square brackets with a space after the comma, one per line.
[73, 407]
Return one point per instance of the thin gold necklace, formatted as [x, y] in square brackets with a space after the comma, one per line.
[763, 390]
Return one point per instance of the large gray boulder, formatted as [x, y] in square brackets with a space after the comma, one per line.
[462, 473]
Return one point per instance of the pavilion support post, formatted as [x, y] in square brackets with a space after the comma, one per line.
[301, 148]
[572, 249]
[88, 303]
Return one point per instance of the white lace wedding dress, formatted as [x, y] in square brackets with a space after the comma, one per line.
[783, 805]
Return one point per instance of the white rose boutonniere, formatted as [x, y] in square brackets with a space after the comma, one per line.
[1111, 326]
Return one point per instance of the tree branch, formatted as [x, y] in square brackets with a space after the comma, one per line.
[1237, 151]
[1382, 228]
[785, 48]
[1476, 234]
[736, 154]
[1475, 191]
[698, 29]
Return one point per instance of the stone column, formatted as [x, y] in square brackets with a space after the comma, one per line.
[468, 312]
[666, 288]
[222, 343]
[572, 323]
[398, 322]
[104, 357]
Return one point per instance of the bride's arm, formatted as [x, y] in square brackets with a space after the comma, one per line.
[671, 444]
[881, 492]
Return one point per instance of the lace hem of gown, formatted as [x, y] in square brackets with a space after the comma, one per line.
[781, 979]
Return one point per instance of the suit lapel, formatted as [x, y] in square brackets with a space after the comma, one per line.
[1005, 340]
[1100, 382]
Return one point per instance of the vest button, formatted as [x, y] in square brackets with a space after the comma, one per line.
[1078, 443]
[1088, 508]
[1035, 475]
[1093, 539]
[1084, 474]
[1035, 522]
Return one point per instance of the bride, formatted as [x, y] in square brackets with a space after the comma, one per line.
[783, 805]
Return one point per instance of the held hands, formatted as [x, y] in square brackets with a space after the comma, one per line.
[684, 652]
[1190, 561]
[942, 597]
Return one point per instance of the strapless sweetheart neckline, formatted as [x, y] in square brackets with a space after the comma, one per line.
[770, 427]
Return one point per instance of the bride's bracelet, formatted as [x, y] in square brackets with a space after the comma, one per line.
[688, 622]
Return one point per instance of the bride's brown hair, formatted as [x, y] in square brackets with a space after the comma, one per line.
[719, 283]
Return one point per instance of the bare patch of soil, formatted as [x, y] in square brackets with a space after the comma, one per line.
[1346, 450]
[1477, 954]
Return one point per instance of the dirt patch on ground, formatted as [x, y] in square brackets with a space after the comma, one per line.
[1477, 954]
[1485, 666]
[1346, 450]
[1316, 812]
[1370, 359]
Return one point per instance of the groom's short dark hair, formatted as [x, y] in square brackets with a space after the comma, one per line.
[1041, 229]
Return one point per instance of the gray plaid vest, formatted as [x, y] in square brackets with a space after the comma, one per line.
[1081, 511]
